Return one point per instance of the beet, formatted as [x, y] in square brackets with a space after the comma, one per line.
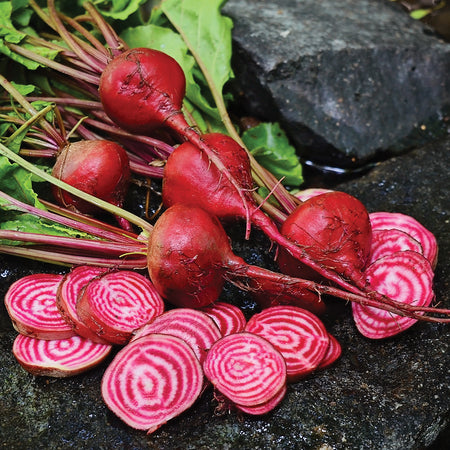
[190, 257]
[98, 167]
[58, 357]
[229, 318]
[116, 304]
[195, 328]
[387, 221]
[151, 380]
[405, 276]
[246, 369]
[191, 179]
[142, 88]
[335, 227]
[296, 333]
[31, 305]
[67, 295]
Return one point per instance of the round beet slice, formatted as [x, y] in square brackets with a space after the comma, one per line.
[405, 276]
[151, 380]
[245, 368]
[296, 333]
[115, 304]
[67, 296]
[58, 357]
[31, 304]
[193, 326]
[229, 318]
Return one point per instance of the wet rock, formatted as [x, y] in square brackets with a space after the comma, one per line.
[393, 394]
[350, 81]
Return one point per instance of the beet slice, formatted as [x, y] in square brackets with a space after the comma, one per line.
[58, 357]
[31, 304]
[386, 221]
[296, 333]
[229, 318]
[67, 295]
[386, 242]
[116, 304]
[193, 326]
[245, 368]
[151, 380]
[266, 407]
[332, 354]
[405, 276]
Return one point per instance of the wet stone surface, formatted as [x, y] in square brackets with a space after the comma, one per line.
[349, 81]
[392, 394]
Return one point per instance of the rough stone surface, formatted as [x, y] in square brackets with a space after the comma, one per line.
[392, 394]
[349, 80]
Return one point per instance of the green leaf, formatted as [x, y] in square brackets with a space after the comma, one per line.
[17, 182]
[270, 146]
[208, 36]
[119, 9]
[420, 13]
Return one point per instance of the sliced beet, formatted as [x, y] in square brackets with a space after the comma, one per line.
[58, 357]
[296, 333]
[195, 327]
[387, 220]
[333, 352]
[31, 304]
[229, 318]
[386, 242]
[116, 304]
[405, 276]
[266, 407]
[67, 295]
[151, 380]
[246, 369]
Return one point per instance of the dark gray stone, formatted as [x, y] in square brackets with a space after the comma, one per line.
[392, 394]
[349, 80]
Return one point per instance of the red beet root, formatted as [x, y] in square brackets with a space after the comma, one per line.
[191, 179]
[58, 357]
[98, 167]
[67, 295]
[193, 326]
[404, 276]
[141, 88]
[296, 333]
[151, 380]
[189, 257]
[116, 304]
[336, 230]
[31, 304]
[246, 369]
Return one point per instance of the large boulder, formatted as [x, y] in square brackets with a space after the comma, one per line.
[350, 81]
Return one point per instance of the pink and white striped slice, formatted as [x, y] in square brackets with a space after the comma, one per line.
[386, 220]
[151, 380]
[296, 333]
[404, 276]
[116, 304]
[31, 304]
[332, 354]
[193, 326]
[386, 242]
[67, 295]
[229, 318]
[245, 368]
[58, 357]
